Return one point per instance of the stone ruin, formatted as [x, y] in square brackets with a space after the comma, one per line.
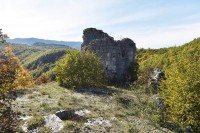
[116, 56]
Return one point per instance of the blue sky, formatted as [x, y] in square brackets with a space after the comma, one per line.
[150, 23]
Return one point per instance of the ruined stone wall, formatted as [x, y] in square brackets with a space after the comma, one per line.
[116, 56]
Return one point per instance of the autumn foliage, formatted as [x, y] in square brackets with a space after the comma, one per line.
[181, 89]
[13, 77]
[42, 79]
[181, 93]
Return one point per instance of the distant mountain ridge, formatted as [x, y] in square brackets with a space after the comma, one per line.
[32, 41]
[42, 44]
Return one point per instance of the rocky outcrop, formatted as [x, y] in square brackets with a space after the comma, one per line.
[116, 56]
[71, 114]
[67, 115]
[156, 76]
[54, 122]
[51, 121]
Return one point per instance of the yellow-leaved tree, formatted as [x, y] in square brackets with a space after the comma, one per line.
[181, 93]
[13, 77]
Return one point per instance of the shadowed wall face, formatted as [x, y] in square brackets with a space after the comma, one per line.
[116, 56]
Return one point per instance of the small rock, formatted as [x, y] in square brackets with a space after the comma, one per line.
[98, 121]
[24, 117]
[156, 76]
[67, 115]
[54, 122]
[82, 112]
[24, 126]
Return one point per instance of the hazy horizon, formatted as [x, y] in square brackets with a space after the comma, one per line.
[150, 24]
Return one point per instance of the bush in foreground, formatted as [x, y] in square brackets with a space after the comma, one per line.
[79, 69]
[181, 93]
[13, 77]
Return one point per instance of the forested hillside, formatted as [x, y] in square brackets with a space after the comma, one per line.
[165, 57]
[38, 59]
[181, 88]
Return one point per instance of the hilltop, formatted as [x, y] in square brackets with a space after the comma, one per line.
[32, 41]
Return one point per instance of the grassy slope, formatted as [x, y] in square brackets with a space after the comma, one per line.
[127, 110]
[43, 62]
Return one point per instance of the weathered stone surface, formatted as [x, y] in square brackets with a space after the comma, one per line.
[155, 78]
[54, 122]
[157, 75]
[51, 121]
[159, 102]
[98, 121]
[82, 113]
[70, 114]
[116, 56]
[65, 114]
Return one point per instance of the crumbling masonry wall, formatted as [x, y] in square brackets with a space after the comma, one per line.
[116, 56]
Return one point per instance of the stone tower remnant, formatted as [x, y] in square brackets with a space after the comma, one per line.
[116, 56]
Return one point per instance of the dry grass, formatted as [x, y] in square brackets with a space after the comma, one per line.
[120, 106]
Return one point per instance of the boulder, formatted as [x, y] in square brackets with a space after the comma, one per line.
[71, 114]
[54, 122]
[65, 114]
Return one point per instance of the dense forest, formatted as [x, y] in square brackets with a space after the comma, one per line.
[165, 57]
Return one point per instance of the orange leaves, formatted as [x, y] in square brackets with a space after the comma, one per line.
[12, 75]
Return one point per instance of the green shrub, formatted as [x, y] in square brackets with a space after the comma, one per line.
[79, 69]
[157, 119]
[180, 90]
[125, 101]
[45, 130]
[36, 121]
[181, 93]
[130, 128]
